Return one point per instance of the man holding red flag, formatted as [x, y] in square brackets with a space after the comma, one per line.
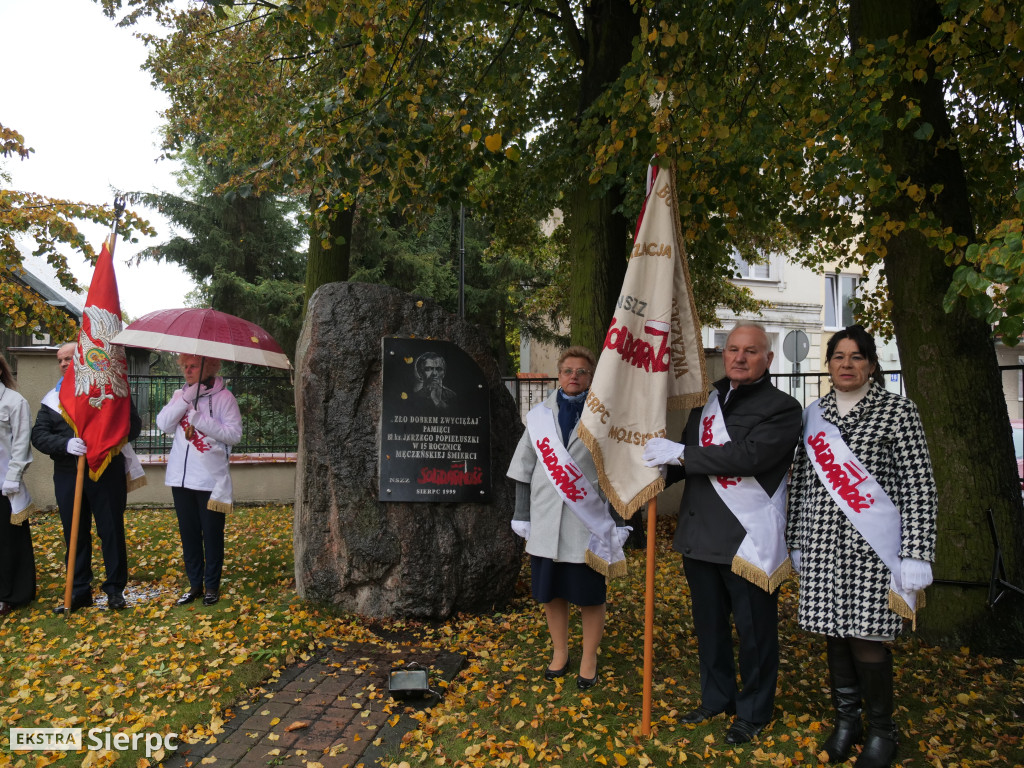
[90, 414]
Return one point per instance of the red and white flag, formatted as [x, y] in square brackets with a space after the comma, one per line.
[652, 361]
[94, 396]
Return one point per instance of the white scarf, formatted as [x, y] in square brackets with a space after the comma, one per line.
[762, 557]
[604, 552]
[862, 499]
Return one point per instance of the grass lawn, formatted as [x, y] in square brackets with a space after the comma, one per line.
[954, 709]
[155, 667]
[159, 668]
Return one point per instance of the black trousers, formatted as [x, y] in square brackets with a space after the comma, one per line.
[17, 560]
[716, 593]
[103, 502]
[202, 539]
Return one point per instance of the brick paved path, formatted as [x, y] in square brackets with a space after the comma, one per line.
[334, 710]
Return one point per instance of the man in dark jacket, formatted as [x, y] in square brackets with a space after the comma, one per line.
[103, 500]
[761, 430]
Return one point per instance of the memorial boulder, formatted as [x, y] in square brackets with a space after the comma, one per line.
[356, 548]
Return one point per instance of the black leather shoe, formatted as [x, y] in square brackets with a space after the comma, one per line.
[554, 674]
[210, 598]
[586, 682]
[77, 601]
[5, 608]
[117, 602]
[699, 715]
[741, 731]
[187, 598]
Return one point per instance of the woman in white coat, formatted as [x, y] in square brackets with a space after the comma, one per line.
[17, 560]
[556, 538]
[205, 421]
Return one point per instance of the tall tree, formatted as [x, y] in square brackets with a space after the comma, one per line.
[395, 106]
[923, 210]
[242, 251]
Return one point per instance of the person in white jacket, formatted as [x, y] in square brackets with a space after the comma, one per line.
[205, 421]
[17, 561]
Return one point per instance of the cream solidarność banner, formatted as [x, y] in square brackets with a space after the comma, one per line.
[652, 360]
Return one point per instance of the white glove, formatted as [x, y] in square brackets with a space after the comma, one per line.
[76, 446]
[915, 574]
[521, 528]
[621, 534]
[189, 392]
[660, 451]
[11, 488]
[794, 558]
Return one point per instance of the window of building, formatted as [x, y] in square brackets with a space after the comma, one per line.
[840, 291]
[748, 271]
[1020, 381]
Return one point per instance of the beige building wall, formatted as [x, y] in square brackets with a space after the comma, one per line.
[256, 479]
[1013, 383]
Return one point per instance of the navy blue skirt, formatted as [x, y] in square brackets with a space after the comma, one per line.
[577, 583]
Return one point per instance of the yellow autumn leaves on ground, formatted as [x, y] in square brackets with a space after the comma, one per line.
[181, 670]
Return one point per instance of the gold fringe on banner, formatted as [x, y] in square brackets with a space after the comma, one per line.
[135, 483]
[757, 577]
[606, 569]
[688, 402]
[627, 510]
[219, 506]
[900, 607]
[21, 517]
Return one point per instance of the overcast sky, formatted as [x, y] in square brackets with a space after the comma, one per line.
[73, 86]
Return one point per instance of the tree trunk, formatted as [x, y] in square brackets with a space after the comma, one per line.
[329, 263]
[598, 253]
[599, 245]
[948, 359]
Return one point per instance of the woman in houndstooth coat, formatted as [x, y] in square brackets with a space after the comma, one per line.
[844, 585]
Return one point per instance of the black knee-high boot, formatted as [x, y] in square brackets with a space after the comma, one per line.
[882, 737]
[846, 700]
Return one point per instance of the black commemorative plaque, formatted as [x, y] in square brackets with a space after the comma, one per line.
[435, 423]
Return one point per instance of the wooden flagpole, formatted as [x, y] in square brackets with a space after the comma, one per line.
[652, 519]
[76, 518]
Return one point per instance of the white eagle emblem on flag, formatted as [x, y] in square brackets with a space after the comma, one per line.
[101, 364]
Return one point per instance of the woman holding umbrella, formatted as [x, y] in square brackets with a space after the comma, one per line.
[205, 421]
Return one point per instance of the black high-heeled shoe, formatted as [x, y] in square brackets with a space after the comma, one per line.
[554, 674]
[586, 682]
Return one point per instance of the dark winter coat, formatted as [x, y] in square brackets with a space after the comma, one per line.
[764, 428]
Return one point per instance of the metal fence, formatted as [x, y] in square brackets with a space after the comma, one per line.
[808, 387]
[805, 387]
[267, 404]
[529, 392]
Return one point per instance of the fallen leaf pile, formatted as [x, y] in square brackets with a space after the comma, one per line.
[185, 670]
[954, 709]
[156, 667]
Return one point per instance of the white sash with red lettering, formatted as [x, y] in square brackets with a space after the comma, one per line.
[862, 499]
[604, 551]
[762, 558]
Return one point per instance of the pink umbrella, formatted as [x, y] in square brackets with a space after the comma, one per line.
[205, 332]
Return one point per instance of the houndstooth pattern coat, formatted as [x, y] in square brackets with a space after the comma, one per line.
[844, 585]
